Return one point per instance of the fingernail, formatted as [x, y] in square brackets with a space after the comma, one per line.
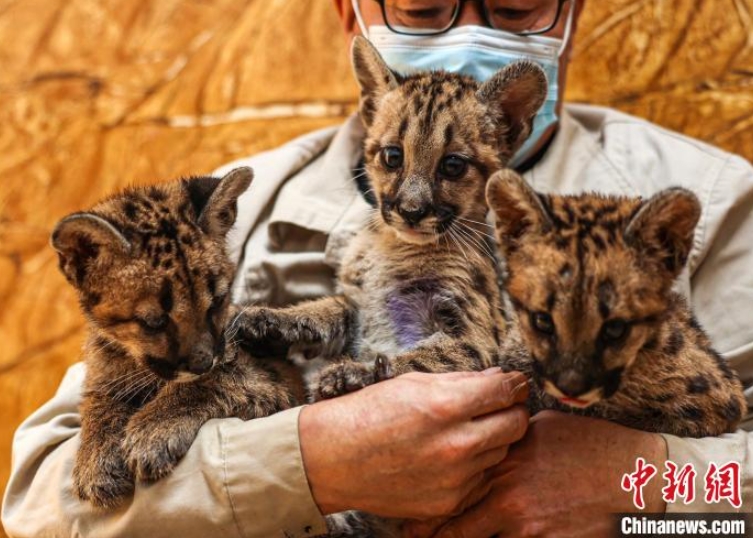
[520, 387]
[517, 378]
[491, 371]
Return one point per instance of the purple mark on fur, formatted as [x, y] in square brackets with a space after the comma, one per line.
[410, 309]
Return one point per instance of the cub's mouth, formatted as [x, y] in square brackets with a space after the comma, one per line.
[580, 401]
[417, 235]
[180, 373]
[429, 229]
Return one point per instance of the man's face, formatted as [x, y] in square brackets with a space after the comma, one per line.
[512, 12]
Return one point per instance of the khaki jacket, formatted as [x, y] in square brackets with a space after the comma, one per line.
[247, 478]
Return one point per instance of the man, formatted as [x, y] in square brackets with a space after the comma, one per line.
[417, 446]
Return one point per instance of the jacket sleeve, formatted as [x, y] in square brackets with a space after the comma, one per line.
[238, 479]
[722, 296]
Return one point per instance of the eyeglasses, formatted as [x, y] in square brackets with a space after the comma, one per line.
[431, 17]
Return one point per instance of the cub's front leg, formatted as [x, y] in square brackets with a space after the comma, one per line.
[100, 474]
[446, 355]
[439, 354]
[161, 432]
[324, 327]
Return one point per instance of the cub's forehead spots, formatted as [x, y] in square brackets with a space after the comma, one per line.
[606, 295]
[211, 280]
[448, 134]
[166, 295]
[403, 128]
[551, 299]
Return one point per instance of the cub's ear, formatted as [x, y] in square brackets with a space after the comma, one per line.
[215, 200]
[373, 76]
[663, 228]
[84, 240]
[517, 208]
[514, 94]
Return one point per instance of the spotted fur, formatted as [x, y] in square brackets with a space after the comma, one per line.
[418, 286]
[597, 323]
[154, 278]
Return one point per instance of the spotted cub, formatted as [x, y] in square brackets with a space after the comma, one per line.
[418, 285]
[597, 324]
[153, 278]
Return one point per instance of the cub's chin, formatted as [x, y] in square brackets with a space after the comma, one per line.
[582, 401]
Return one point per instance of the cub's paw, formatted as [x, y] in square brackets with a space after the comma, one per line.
[270, 332]
[153, 449]
[350, 376]
[268, 400]
[102, 480]
[342, 378]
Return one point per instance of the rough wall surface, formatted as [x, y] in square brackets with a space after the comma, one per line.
[98, 94]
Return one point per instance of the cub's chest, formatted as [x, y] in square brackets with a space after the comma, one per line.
[421, 308]
[402, 300]
[373, 271]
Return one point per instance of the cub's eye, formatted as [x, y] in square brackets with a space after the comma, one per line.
[542, 322]
[453, 166]
[392, 157]
[614, 331]
[153, 324]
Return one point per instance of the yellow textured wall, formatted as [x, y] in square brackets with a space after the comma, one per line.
[98, 94]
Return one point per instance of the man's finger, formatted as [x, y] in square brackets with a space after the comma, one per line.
[490, 458]
[475, 495]
[497, 429]
[427, 528]
[486, 393]
[454, 375]
[476, 489]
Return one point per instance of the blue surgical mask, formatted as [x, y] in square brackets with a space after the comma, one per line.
[478, 52]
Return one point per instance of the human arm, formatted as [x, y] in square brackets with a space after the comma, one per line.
[248, 479]
[563, 480]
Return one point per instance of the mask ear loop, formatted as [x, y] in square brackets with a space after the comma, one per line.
[568, 27]
[359, 18]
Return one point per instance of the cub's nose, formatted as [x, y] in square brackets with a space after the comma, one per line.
[199, 362]
[412, 214]
[572, 383]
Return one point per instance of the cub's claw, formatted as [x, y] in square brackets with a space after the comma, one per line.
[382, 368]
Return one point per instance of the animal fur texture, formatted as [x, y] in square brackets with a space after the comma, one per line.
[595, 320]
[153, 277]
[418, 286]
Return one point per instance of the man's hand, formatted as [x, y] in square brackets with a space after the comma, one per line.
[562, 480]
[417, 446]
